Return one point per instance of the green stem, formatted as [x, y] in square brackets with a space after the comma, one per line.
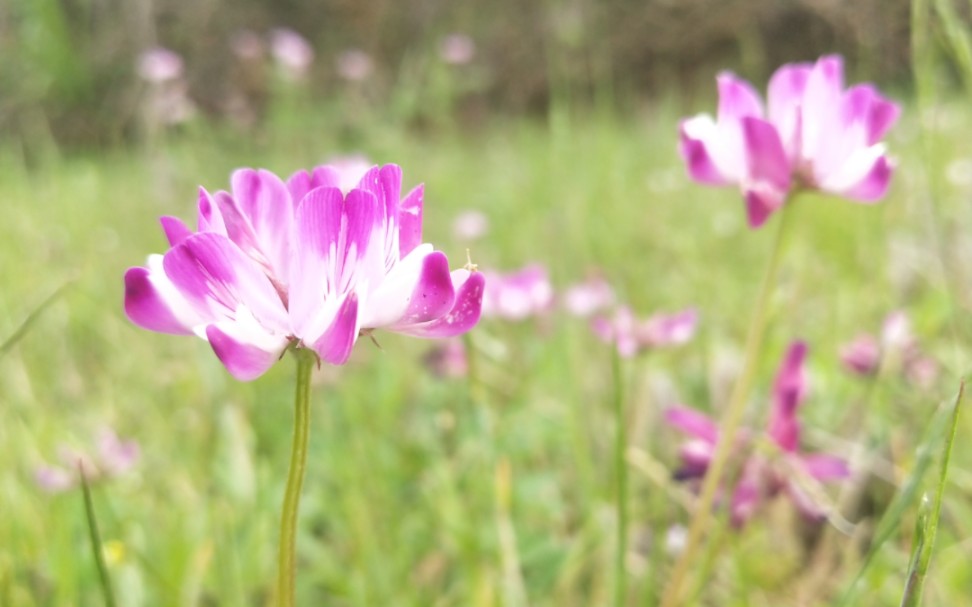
[731, 419]
[286, 555]
[621, 477]
[96, 546]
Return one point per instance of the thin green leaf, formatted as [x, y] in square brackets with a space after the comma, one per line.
[96, 546]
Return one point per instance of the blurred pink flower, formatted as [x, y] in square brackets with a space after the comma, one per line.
[863, 355]
[457, 49]
[633, 336]
[448, 359]
[814, 134]
[112, 457]
[470, 225]
[247, 45]
[761, 477]
[517, 295]
[158, 65]
[301, 263]
[354, 65]
[292, 53]
[350, 169]
[585, 298]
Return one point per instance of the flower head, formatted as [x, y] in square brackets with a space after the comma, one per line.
[812, 134]
[158, 65]
[632, 335]
[518, 295]
[585, 298]
[292, 52]
[354, 65]
[111, 457]
[457, 49]
[762, 477]
[301, 262]
[897, 344]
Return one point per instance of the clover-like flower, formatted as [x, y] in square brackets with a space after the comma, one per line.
[632, 335]
[812, 134]
[762, 476]
[301, 262]
[519, 294]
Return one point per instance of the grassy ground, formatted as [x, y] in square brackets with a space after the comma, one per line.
[499, 490]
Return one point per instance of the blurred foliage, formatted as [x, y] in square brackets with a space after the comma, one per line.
[67, 67]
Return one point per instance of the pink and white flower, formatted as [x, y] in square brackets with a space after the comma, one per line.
[632, 335]
[274, 264]
[158, 65]
[588, 297]
[518, 295]
[761, 477]
[292, 52]
[811, 134]
[897, 344]
[111, 457]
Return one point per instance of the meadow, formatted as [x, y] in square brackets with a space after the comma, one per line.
[496, 487]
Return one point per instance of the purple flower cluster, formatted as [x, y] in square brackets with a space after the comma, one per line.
[761, 476]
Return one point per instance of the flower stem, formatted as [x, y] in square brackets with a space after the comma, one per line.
[286, 555]
[621, 478]
[731, 419]
[96, 545]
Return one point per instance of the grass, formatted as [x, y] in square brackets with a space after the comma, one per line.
[420, 491]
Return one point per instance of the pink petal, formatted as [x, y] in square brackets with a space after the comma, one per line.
[410, 221]
[210, 219]
[313, 281]
[150, 305]
[784, 98]
[465, 310]
[175, 230]
[266, 203]
[864, 104]
[864, 177]
[768, 170]
[335, 344]
[696, 136]
[737, 99]
[821, 104]
[244, 361]
[214, 274]
[433, 295]
[693, 423]
[825, 467]
[789, 390]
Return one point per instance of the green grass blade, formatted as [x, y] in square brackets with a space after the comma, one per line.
[19, 333]
[905, 497]
[927, 526]
[96, 547]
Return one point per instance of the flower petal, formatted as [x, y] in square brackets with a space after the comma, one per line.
[410, 221]
[175, 230]
[789, 390]
[152, 302]
[465, 311]
[863, 177]
[700, 147]
[768, 170]
[335, 344]
[245, 361]
[418, 290]
[693, 423]
[784, 98]
[266, 203]
[825, 467]
[737, 99]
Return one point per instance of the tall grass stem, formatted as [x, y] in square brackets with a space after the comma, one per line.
[96, 546]
[287, 553]
[731, 419]
[621, 478]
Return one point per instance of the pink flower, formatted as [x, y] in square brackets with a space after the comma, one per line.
[633, 336]
[762, 477]
[587, 297]
[448, 359]
[275, 264]
[470, 225]
[457, 49]
[292, 52]
[354, 65]
[112, 457]
[158, 65]
[517, 295]
[863, 355]
[813, 134]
